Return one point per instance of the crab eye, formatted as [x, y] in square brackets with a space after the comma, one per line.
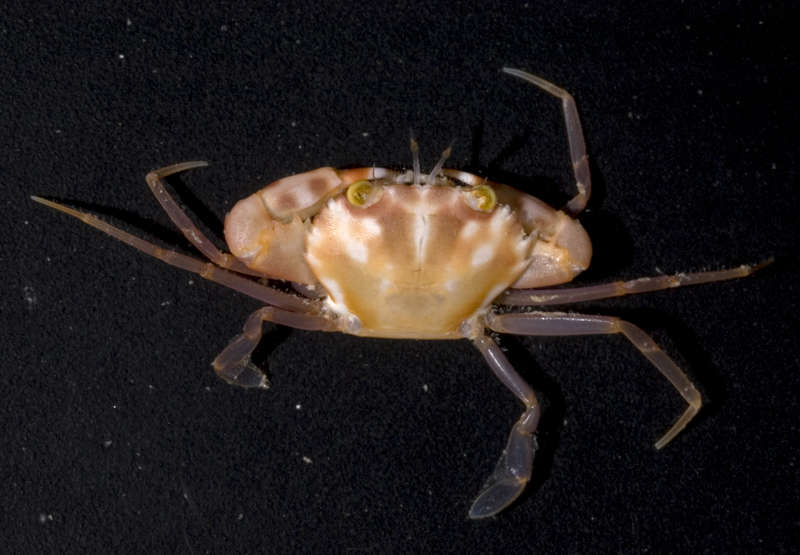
[481, 198]
[363, 193]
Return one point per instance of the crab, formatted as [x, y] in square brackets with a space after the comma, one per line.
[376, 252]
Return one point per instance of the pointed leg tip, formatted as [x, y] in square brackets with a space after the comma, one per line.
[662, 442]
[166, 171]
[194, 164]
[41, 200]
[48, 203]
[762, 264]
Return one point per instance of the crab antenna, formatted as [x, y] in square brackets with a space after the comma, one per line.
[431, 177]
[415, 156]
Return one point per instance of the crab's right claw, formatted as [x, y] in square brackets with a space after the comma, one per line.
[510, 476]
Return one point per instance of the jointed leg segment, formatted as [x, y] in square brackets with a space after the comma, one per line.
[155, 180]
[513, 469]
[545, 297]
[206, 270]
[577, 144]
[555, 323]
[233, 363]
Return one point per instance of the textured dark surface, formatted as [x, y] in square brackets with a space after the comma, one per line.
[116, 435]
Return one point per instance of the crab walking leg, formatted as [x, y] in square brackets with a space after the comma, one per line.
[233, 363]
[557, 323]
[577, 144]
[513, 469]
[155, 180]
[544, 297]
[204, 269]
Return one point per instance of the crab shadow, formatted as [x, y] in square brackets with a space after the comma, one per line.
[200, 211]
[272, 338]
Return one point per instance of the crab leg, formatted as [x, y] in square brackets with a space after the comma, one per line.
[206, 270]
[155, 180]
[233, 363]
[559, 323]
[513, 469]
[577, 144]
[543, 297]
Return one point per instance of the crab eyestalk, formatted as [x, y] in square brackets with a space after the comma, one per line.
[363, 193]
[481, 198]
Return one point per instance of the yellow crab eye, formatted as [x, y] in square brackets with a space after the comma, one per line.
[363, 193]
[481, 198]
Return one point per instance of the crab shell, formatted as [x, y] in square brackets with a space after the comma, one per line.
[417, 261]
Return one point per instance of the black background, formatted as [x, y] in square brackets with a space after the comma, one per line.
[116, 435]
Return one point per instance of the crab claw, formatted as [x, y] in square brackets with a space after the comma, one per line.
[510, 476]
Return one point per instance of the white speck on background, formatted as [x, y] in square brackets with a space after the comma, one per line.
[29, 295]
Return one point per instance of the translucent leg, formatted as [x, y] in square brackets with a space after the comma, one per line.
[513, 469]
[155, 179]
[544, 297]
[233, 363]
[206, 270]
[556, 323]
[577, 144]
